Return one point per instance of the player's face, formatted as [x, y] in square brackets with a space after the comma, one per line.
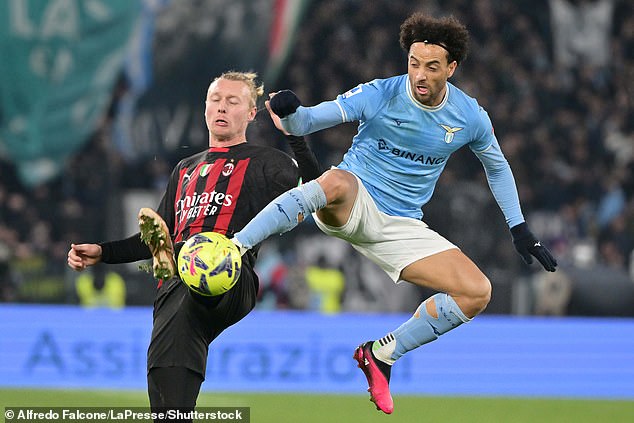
[428, 71]
[228, 111]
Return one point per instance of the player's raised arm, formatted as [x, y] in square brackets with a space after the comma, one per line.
[295, 119]
[309, 168]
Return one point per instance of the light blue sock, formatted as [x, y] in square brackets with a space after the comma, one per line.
[283, 214]
[420, 329]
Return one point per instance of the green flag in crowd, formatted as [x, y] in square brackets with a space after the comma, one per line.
[59, 60]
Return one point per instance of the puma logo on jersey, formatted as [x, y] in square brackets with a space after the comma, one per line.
[449, 132]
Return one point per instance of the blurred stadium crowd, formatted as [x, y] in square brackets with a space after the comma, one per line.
[556, 78]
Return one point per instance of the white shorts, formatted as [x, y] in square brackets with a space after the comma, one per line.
[392, 242]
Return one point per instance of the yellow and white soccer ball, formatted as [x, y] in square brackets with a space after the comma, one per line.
[209, 263]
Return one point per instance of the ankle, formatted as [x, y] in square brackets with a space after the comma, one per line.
[383, 349]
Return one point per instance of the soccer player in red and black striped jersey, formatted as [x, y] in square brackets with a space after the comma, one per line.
[220, 189]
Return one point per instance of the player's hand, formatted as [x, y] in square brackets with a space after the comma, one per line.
[275, 118]
[81, 256]
[284, 103]
[528, 247]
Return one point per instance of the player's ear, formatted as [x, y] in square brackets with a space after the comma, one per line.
[252, 113]
[451, 69]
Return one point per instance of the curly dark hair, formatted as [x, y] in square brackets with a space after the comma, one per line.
[446, 32]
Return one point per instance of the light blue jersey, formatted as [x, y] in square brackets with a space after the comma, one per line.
[402, 146]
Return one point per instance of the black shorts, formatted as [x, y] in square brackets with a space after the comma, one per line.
[186, 323]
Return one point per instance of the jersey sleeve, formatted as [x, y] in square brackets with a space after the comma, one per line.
[132, 249]
[483, 135]
[126, 250]
[166, 206]
[359, 103]
[282, 173]
[498, 172]
[309, 168]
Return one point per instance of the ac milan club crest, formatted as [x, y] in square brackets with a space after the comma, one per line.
[228, 169]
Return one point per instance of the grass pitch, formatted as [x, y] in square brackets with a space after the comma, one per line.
[283, 408]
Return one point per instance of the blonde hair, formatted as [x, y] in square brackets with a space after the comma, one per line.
[249, 79]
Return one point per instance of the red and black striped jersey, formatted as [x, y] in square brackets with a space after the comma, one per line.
[221, 190]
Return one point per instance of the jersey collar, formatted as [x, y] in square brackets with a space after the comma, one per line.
[421, 105]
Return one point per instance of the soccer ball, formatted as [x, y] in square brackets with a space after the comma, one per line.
[209, 263]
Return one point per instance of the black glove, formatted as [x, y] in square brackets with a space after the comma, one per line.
[284, 103]
[528, 246]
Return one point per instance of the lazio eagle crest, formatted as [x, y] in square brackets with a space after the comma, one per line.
[449, 132]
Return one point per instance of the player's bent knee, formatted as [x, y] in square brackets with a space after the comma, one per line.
[476, 299]
[482, 295]
[485, 294]
[336, 184]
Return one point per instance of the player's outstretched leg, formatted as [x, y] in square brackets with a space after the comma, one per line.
[378, 375]
[281, 215]
[156, 235]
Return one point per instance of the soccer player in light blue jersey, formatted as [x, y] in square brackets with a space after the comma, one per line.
[409, 125]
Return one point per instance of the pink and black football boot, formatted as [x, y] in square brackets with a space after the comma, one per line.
[378, 375]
